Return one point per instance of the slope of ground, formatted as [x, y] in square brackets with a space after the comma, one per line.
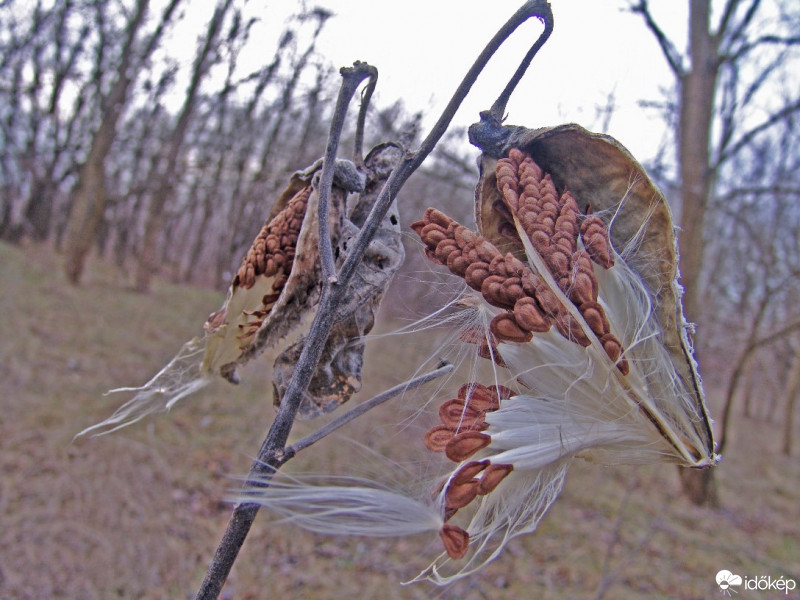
[137, 514]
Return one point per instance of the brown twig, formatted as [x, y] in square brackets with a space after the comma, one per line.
[335, 286]
[270, 455]
[363, 408]
[366, 96]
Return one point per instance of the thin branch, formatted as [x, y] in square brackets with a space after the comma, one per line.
[499, 107]
[764, 39]
[748, 136]
[366, 96]
[738, 33]
[352, 78]
[363, 408]
[773, 336]
[727, 15]
[671, 53]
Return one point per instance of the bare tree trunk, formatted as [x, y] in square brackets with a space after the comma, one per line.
[694, 144]
[89, 200]
[167, 165]
[792, 391]
[697, 92]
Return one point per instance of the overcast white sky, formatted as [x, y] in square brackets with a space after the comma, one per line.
[422, 49]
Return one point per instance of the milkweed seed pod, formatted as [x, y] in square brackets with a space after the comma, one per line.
[276, 285]
[572, 293]
[338, 375]
[577, 278]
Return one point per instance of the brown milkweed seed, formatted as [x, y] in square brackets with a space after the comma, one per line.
[594, 234]
[505, 328]
[436, 216]
[457, 414]
[465, 444]
[475, 274]
[492, 477]
[438, 437]
[500, 392]
[455, 540]
[491, 353]
[595, 317]
[570, 328]
[458, 495]
[418, 226]
[445, 248]
[468, 471]
[433, 233]
[529, 317]
[480, 397]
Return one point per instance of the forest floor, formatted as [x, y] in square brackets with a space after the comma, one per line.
[137, 514]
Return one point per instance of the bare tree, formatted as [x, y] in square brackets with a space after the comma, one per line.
[89, 199]
[42, 53]
[166, 165]
[791, 391]
[716, 93]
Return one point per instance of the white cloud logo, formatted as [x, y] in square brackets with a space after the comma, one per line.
[725, 579]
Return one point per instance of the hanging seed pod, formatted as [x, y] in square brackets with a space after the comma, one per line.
[603, 180]
[276, 285]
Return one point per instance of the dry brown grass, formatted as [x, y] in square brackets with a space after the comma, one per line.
[137, 514]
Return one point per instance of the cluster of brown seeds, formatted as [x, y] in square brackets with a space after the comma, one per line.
[460, 436]
[503, 280]
[271, 255]
[273, 250]
[553, 224]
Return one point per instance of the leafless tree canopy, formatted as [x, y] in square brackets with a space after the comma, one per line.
[109, 142]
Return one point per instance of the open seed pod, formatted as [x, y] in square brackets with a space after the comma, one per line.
[276, 287]
[338, 375]
[574, 293]
[606, 181]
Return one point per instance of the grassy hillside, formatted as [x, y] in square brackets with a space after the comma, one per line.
[137, 514]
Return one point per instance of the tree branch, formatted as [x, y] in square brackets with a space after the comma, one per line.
[764, 39]
[363, 408]
[737, 34]
[366, 96]
[748, 136]
[671, 53]
[352, 78]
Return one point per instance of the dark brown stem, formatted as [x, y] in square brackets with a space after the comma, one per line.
[351, 79]
[335, 287]
[271, 454]
[366, 96]
[543, 11]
